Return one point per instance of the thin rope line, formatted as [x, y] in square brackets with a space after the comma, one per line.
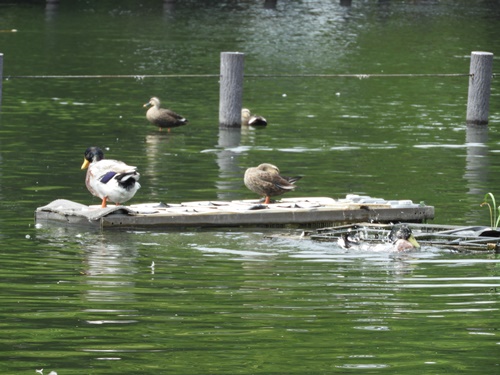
[144, 76]
[136, 76]
[364, 75]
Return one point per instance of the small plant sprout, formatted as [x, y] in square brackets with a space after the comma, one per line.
[494, 210]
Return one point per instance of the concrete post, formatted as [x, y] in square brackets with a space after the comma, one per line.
[1, 79]
[231, 89]
[478, 103]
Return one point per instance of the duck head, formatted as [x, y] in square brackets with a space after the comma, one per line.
[154, 101]
[92, 154]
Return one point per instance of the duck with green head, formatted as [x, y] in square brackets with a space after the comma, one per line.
[109, 179]
[402, 238]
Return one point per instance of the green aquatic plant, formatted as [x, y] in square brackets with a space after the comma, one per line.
[494, 210]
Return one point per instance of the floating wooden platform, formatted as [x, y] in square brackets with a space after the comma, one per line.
[319, 212]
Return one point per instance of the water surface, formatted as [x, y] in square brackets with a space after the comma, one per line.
[239, 300]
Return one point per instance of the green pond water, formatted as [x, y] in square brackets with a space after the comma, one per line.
[234, 300]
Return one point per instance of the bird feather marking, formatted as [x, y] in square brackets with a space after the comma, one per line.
[108, 176]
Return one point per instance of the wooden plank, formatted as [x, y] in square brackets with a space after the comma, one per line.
[320, 216]
[66, 220]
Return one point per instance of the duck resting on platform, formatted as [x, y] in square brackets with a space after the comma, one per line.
[402, 238]
[251, 120]
[109, 179]
[266, 181]
[162, 117]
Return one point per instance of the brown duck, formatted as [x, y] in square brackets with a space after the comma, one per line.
[252, 120]
[266, 181]
[162, 117]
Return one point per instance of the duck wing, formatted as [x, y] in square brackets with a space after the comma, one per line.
[286, 183]
[292, 180]
[274, 184]
[126, 180]
[107, 169]
[167, 118]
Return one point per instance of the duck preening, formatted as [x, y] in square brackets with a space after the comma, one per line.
[108, 179]
[402, 238]
[266, 181]
[251, 120]
[162, 117]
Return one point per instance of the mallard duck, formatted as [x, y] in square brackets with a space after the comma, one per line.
[265, 180]
[402, 238]
[251, 120]
[348, 240]
[109, 179]
[162, 117]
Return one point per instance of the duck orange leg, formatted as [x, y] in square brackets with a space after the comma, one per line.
[268, 199]
[104, 202]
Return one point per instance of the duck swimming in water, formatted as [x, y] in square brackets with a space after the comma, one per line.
[252, 120]
[162, 117]
[348, 240]
[266, 181]
[402, 238]
[109, 179]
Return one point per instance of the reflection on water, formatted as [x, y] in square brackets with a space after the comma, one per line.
[169, 7]
[229, 164]
[477, 170]
[109, 267]
[477, 161]
[107, 262]
[157, 146]
[51, 7]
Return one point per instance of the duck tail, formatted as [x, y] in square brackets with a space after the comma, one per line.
[286, 187]
[292, 180]
[128, 180]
